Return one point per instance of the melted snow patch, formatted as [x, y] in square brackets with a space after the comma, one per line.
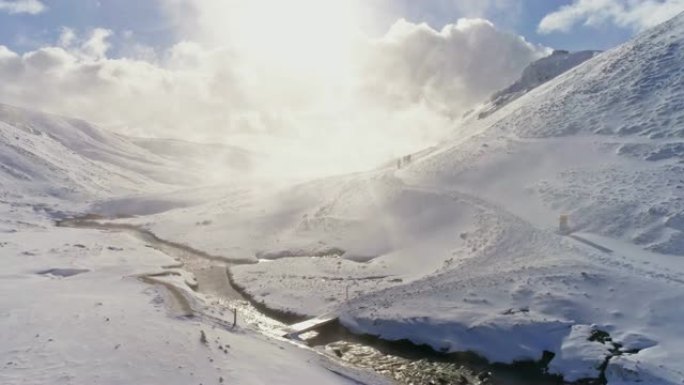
[62, 273]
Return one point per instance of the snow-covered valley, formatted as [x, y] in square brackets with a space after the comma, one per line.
[457, 247]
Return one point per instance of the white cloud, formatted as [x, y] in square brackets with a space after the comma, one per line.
[635, 14]
[32, 7]
[395, 94]
[67, 37]
[96, 46]
[92, 47]
[448, 70]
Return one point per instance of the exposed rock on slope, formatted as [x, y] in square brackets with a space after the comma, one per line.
[536, 74]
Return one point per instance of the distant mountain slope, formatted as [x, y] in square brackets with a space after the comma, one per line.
[536, 74]
[230, 159]
[49, 155]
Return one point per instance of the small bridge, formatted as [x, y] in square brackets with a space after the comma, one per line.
[590, 243]
[294, 331]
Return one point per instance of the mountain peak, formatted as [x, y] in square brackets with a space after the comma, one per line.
[536, 74]
[635, 89]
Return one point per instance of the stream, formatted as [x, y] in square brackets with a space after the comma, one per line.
[401, 361]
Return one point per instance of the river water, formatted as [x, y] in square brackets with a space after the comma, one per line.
[403, 362]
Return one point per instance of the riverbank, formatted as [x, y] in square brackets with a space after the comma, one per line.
[402, 361]
[74, 310]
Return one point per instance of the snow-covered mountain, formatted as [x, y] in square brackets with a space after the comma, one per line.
[459, 248]
[602, 142]
[536, 74]
[200, 155]
[47, 156]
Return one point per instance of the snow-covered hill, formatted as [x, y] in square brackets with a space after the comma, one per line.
[459, 248]
[52, 156]
[603, 142]
[47, 159]
[218, 162]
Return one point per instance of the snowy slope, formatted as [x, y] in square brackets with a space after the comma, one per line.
[602, 142]
[73, 311]
[59, 164]
[216, 162]
[47, 155]
[536, 74]
[459, 248]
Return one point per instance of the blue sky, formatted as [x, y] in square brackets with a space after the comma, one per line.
[519, 16]
[153, 27]
[25, 32]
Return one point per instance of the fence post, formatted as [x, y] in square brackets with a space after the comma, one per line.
[234, 317]
[563, 224]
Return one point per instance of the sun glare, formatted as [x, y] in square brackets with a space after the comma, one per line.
[310, 36]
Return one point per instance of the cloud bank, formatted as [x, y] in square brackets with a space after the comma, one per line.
[31, 7]
[634, 14]
[447, 70]
[380, 98]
